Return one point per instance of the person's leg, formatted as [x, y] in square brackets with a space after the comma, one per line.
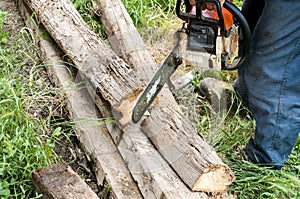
[252, 10]
[272, 78]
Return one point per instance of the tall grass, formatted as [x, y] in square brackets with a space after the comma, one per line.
[24, 135]
[144, 14]
[151, 13]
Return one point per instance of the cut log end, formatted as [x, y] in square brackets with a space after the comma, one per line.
[215, 179]
[124, 110]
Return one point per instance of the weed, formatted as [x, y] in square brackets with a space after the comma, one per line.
[150, 13]
[24, 137]
[87, 10]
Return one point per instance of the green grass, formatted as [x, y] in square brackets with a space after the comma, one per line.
[234, 132]
[229, 138]
[238, 3]
[144, 14]
[26, 143]
[151, 13]
[88, 12]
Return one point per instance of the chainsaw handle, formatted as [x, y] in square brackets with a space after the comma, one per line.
[244, 38]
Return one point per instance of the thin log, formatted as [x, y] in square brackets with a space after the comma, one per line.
[120, 85]
[93, 136]
[60, 181]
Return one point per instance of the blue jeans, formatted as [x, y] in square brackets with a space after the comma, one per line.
[270, 82]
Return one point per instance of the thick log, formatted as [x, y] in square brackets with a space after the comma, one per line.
[153, 174]
[60, 181]
[119, 85]
[174, 136]
[82, 111]
[213, 177]
[127, 43]
[110, 75]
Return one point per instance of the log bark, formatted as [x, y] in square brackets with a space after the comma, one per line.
[154, 175]
[120, 85]
[94, 138]
[172, 134]
[60, 181]
[155, 180]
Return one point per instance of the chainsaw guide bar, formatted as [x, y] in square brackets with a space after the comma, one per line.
[218, 40]
[162, 75]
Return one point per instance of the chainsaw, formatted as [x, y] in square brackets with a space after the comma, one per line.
[216, 39]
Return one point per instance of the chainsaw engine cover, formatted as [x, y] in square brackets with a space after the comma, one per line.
[201, 37]
[205, 47]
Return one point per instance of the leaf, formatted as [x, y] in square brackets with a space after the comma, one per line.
[57, 132]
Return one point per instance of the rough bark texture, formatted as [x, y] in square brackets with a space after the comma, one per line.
[109, 74]
[94, 138]
[172, 134]
[60, 181]
[118, 84]
[214, 176]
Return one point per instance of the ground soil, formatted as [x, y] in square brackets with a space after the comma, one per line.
[68, 151]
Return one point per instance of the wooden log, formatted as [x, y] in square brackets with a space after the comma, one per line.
[119, 85]
[162, 182]
[156, 180]
[153, 174]
[181, 145]
[60, 181]
[82, 111]
[213, 177]
[127, 43]
[94, 137]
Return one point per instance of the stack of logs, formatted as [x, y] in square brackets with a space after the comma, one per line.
[163, 156]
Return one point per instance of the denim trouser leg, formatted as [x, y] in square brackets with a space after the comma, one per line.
[271, 82]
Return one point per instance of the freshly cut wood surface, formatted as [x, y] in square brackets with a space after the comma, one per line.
[173, 144]
[119, 84]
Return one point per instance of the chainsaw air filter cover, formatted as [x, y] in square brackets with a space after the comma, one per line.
[201, 37]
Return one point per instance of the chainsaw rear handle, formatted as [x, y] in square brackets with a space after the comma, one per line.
[245, 37]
